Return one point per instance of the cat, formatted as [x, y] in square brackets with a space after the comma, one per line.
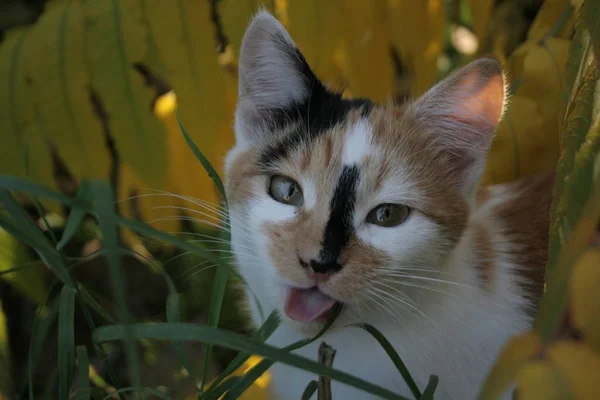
[379, 208]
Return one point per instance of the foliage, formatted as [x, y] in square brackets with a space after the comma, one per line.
[91, 103]
[560, 357]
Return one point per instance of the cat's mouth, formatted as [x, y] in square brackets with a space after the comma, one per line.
[307, 305]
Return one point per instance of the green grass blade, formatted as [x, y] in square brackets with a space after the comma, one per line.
[430, 388]
[66, 341]
[100, 353]
[107, 220]
[16, 211]
[33, 264]
[92, 302]
[39, 332]
[214, 313]
[203, 160]
[84, 374]
[238, 342]
[75, 218]
[391, 352]
[262, 334]
[34, 238]
[183, 245]
[174, 315]
[33, 189]
[149, 390]
[310, 390]
[221, 275]
[222, 389]
[256, 372]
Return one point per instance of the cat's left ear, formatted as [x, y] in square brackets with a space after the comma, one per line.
[274, 77]
[461, 114]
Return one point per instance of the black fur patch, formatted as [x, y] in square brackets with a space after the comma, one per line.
[339, 227]
[321, 111]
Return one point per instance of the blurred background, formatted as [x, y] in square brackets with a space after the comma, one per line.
[82, 85]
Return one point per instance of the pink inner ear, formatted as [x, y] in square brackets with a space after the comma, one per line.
[486, 102]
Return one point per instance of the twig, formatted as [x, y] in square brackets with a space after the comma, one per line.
[326, 356]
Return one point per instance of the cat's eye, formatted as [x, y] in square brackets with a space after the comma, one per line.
[285, 190]
[388, 215]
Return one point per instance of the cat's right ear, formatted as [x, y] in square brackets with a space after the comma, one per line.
[273, 76]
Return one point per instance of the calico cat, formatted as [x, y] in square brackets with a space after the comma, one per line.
[378, 208]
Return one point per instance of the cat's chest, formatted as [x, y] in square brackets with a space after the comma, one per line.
[460, 356]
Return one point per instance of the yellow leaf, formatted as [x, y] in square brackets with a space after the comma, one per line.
[198, 80]
[579, 367]
[519, 134]
[515, 354]
[60, 90]
[552, 15]
[5, 379]
[419, 52]
[115, 39]
[367, 49]
[538, 380]
[29, 281]
[527, 139]
[481, 10]
[584, 285]
[24, 151]
[317, 29]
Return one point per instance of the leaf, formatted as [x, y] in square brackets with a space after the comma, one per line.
[238, 342]
[429, 391]
[575, 168]
[579, 367]
[66, 341]
[583, 289]
[310, 390]
[419, 52]
[481, 11]
[259, 369]
[590, 9]
[174, 315]
[204, 161]
[107, 219]
[262, 334]
[43, 321]
[5, 357]
[114, 40]
[195, 76]
[391, 352]
[28, 281]
[83, 363]
[75, 219]
[28, 232]
[515, 354]
[555, 298]
[539, 380]
[527, 139]
[555, 18]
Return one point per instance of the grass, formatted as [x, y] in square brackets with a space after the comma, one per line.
[95, 199]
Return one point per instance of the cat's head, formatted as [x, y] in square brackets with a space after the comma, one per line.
[336, 199]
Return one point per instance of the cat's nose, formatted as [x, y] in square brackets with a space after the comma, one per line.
[324, 267]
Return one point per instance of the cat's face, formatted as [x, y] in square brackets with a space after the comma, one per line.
[337, 200]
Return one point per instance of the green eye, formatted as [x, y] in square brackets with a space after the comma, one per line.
[285, 190]
[388, 215]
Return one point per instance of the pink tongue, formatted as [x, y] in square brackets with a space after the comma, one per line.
[306, 305]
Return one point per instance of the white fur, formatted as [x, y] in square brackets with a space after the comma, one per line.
[358, 143]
